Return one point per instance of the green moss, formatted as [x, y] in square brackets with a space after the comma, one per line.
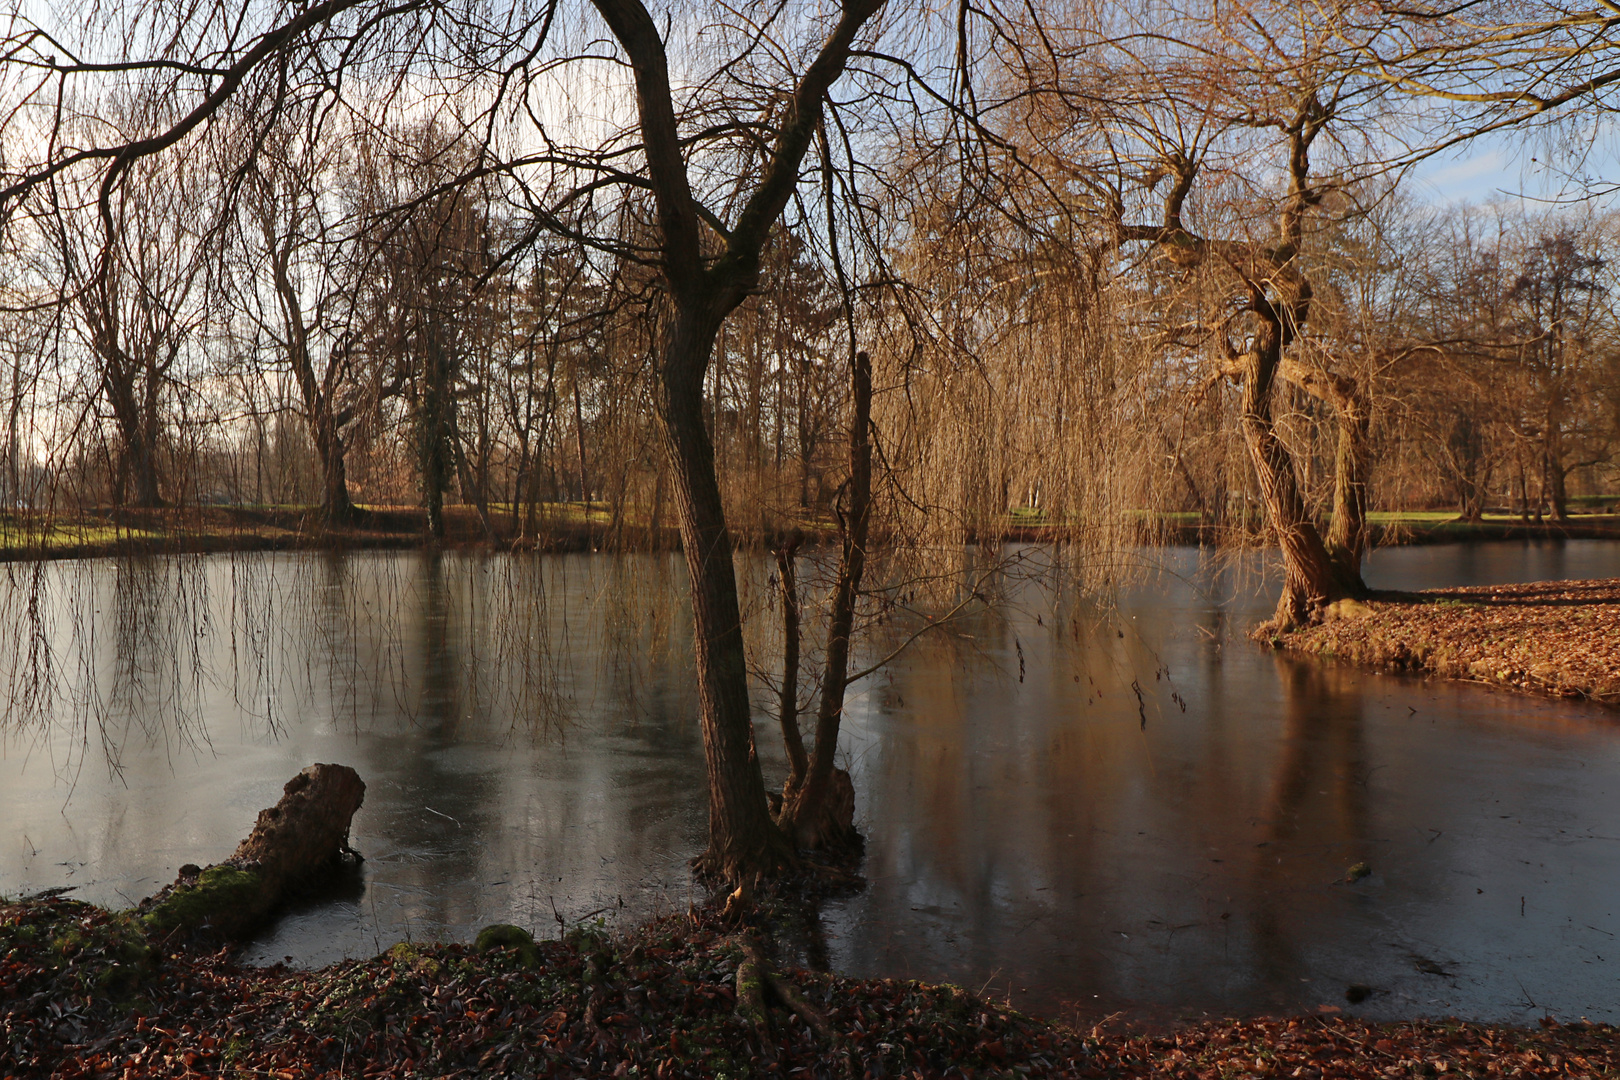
[222, 895]
[507, 936]
[405, 954]
[87, 950]
[359, 997]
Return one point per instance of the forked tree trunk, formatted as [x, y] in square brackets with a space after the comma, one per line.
[1317, 572]
[131, 382]
[470, 487]
[1310, 582]
[743, 838]
[324, 427]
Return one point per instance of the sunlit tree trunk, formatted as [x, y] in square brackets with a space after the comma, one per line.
[1310, 582]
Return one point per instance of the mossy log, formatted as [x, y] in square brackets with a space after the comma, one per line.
[301, 837]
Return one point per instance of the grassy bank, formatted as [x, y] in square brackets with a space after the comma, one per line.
[1558, 637]
[86, 993]
[1412, 527]
[564, 527]
[581, 527]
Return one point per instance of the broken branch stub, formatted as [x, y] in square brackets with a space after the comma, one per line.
[305, 834]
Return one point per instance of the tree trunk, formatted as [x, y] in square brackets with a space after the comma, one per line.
[1557, 493]
[470, 485]
[318, 412]
[1347, 535]
[742, 837]
[788, 710]
[579, 444]
[819, 811]
[140, 457]
[336, 506]
[1310, 583]
[432, 431]
[1524, 487]
[137, 481]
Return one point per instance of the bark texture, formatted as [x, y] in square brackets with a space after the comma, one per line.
[703, 291]
[1310, 584]
[742, 836]
[1346, 537]
[305, 834]
[820, 811]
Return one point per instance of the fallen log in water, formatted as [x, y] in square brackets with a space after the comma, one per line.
[303, 836]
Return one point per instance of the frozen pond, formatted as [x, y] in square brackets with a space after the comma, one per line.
[1036, 827]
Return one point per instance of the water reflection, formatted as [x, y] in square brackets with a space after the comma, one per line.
[1087, 807]
[1316, 816]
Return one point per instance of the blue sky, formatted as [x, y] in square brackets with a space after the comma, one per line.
[1519, 165]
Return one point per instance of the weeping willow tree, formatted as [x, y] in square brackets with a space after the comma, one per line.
[1022, 405]
[788, 267]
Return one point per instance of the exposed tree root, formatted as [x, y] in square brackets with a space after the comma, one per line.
[758, 984]
[771, 856]
[752, 975]
[789, 995]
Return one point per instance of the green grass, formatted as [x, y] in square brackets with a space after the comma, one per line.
[13, 537]
[1449, 518]
[1410, 517]
[560, 513]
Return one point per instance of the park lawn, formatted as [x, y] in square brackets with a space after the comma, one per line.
[14, 537]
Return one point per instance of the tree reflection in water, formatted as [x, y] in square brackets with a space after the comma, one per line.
[526, 727]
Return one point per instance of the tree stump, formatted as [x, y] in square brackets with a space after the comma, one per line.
[831, 827]
[302, 836]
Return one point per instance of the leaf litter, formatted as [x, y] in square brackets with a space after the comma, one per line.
[84, 994]
[1548, 637]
